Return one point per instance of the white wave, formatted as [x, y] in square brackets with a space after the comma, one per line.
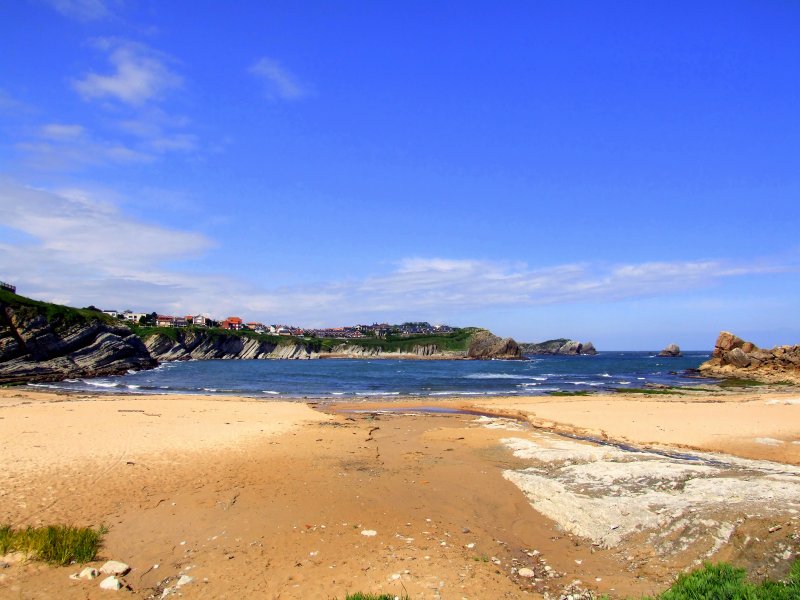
[605, 375]
[71, 380]
[270, 392]
[133, 387]
[337, 393]
[103, 384]
[503, 376]
[377, 393]
[624, 382]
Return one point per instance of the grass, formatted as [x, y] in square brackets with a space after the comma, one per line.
[54, 544]
[56, 314]
[735, 382]
[725, 582]
[652, 392]
[362, 596]
[457, 340]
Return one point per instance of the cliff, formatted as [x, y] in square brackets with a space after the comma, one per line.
[559, 346]
[177, 344]
[40, 341]
[485, 345]
[734, 357]
[48, 342]
[173, 344]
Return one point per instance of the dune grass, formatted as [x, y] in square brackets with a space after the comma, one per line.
[725, 582]
[54, 544]
[361, 596]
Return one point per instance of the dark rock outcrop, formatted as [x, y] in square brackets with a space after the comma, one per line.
[203, 345]
[559, 346]
[671, 351]
[34, 347]
[734, 357]
[485, 345]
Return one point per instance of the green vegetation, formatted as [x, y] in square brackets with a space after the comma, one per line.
[725, 582]
[55, 544]
[457, 340]
[362, 596]
[653, 392]
[56, 314]
[735, 382]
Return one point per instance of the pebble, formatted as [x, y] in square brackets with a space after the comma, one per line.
[183, 580]
[114, 567]
[470, 545]
[525, 572]
[369, 532]
[89, 573]
[110, 583]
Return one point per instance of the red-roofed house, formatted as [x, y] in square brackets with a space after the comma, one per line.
[232, 323]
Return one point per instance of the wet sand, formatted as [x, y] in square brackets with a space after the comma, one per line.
[270, 499]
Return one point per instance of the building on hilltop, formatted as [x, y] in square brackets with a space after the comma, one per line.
[8, 287]
[233, 323]
[165, 321]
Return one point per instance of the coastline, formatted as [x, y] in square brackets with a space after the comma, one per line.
[270, 497]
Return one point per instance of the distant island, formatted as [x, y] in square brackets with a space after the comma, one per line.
[559, 346]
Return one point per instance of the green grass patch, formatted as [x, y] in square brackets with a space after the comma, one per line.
[570, 393]
[735, 382]
[652, 392]
[55, 544]
[725, 582]
[456, 340]
[56, 314]
[362, 596]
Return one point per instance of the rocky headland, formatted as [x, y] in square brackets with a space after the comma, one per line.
[559, 346]
[734, 357]
[39, 343]
[48, 342]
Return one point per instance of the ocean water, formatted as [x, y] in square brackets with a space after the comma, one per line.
[348, 379]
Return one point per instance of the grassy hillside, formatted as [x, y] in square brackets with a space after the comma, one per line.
[55, 313]
[457, 340]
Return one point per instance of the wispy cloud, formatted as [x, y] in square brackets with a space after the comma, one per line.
[139, 74]
[60, 147]
[279, 82]
[85, 10]
[83, 249]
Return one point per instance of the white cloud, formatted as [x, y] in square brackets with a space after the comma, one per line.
[60, 131]
[65, 147]
[139, 74]
[84, 10]
[80, 249]
[280, 83]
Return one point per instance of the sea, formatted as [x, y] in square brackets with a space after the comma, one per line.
[348, 379]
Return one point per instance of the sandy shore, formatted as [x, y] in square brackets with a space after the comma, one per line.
[270, 499]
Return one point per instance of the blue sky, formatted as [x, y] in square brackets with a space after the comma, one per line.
[621, 172]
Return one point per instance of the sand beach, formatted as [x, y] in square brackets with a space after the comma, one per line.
[498, 498]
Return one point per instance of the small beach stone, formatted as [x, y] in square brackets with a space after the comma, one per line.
[183, 580]
[369, 533]
[111, 583]
[114, 567]
[89, 573]
[525, 572]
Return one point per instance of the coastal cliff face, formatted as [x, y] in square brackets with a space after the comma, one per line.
[35, 346]
[485, 345]
[734, 357]
[201, 345]
[559, 346]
